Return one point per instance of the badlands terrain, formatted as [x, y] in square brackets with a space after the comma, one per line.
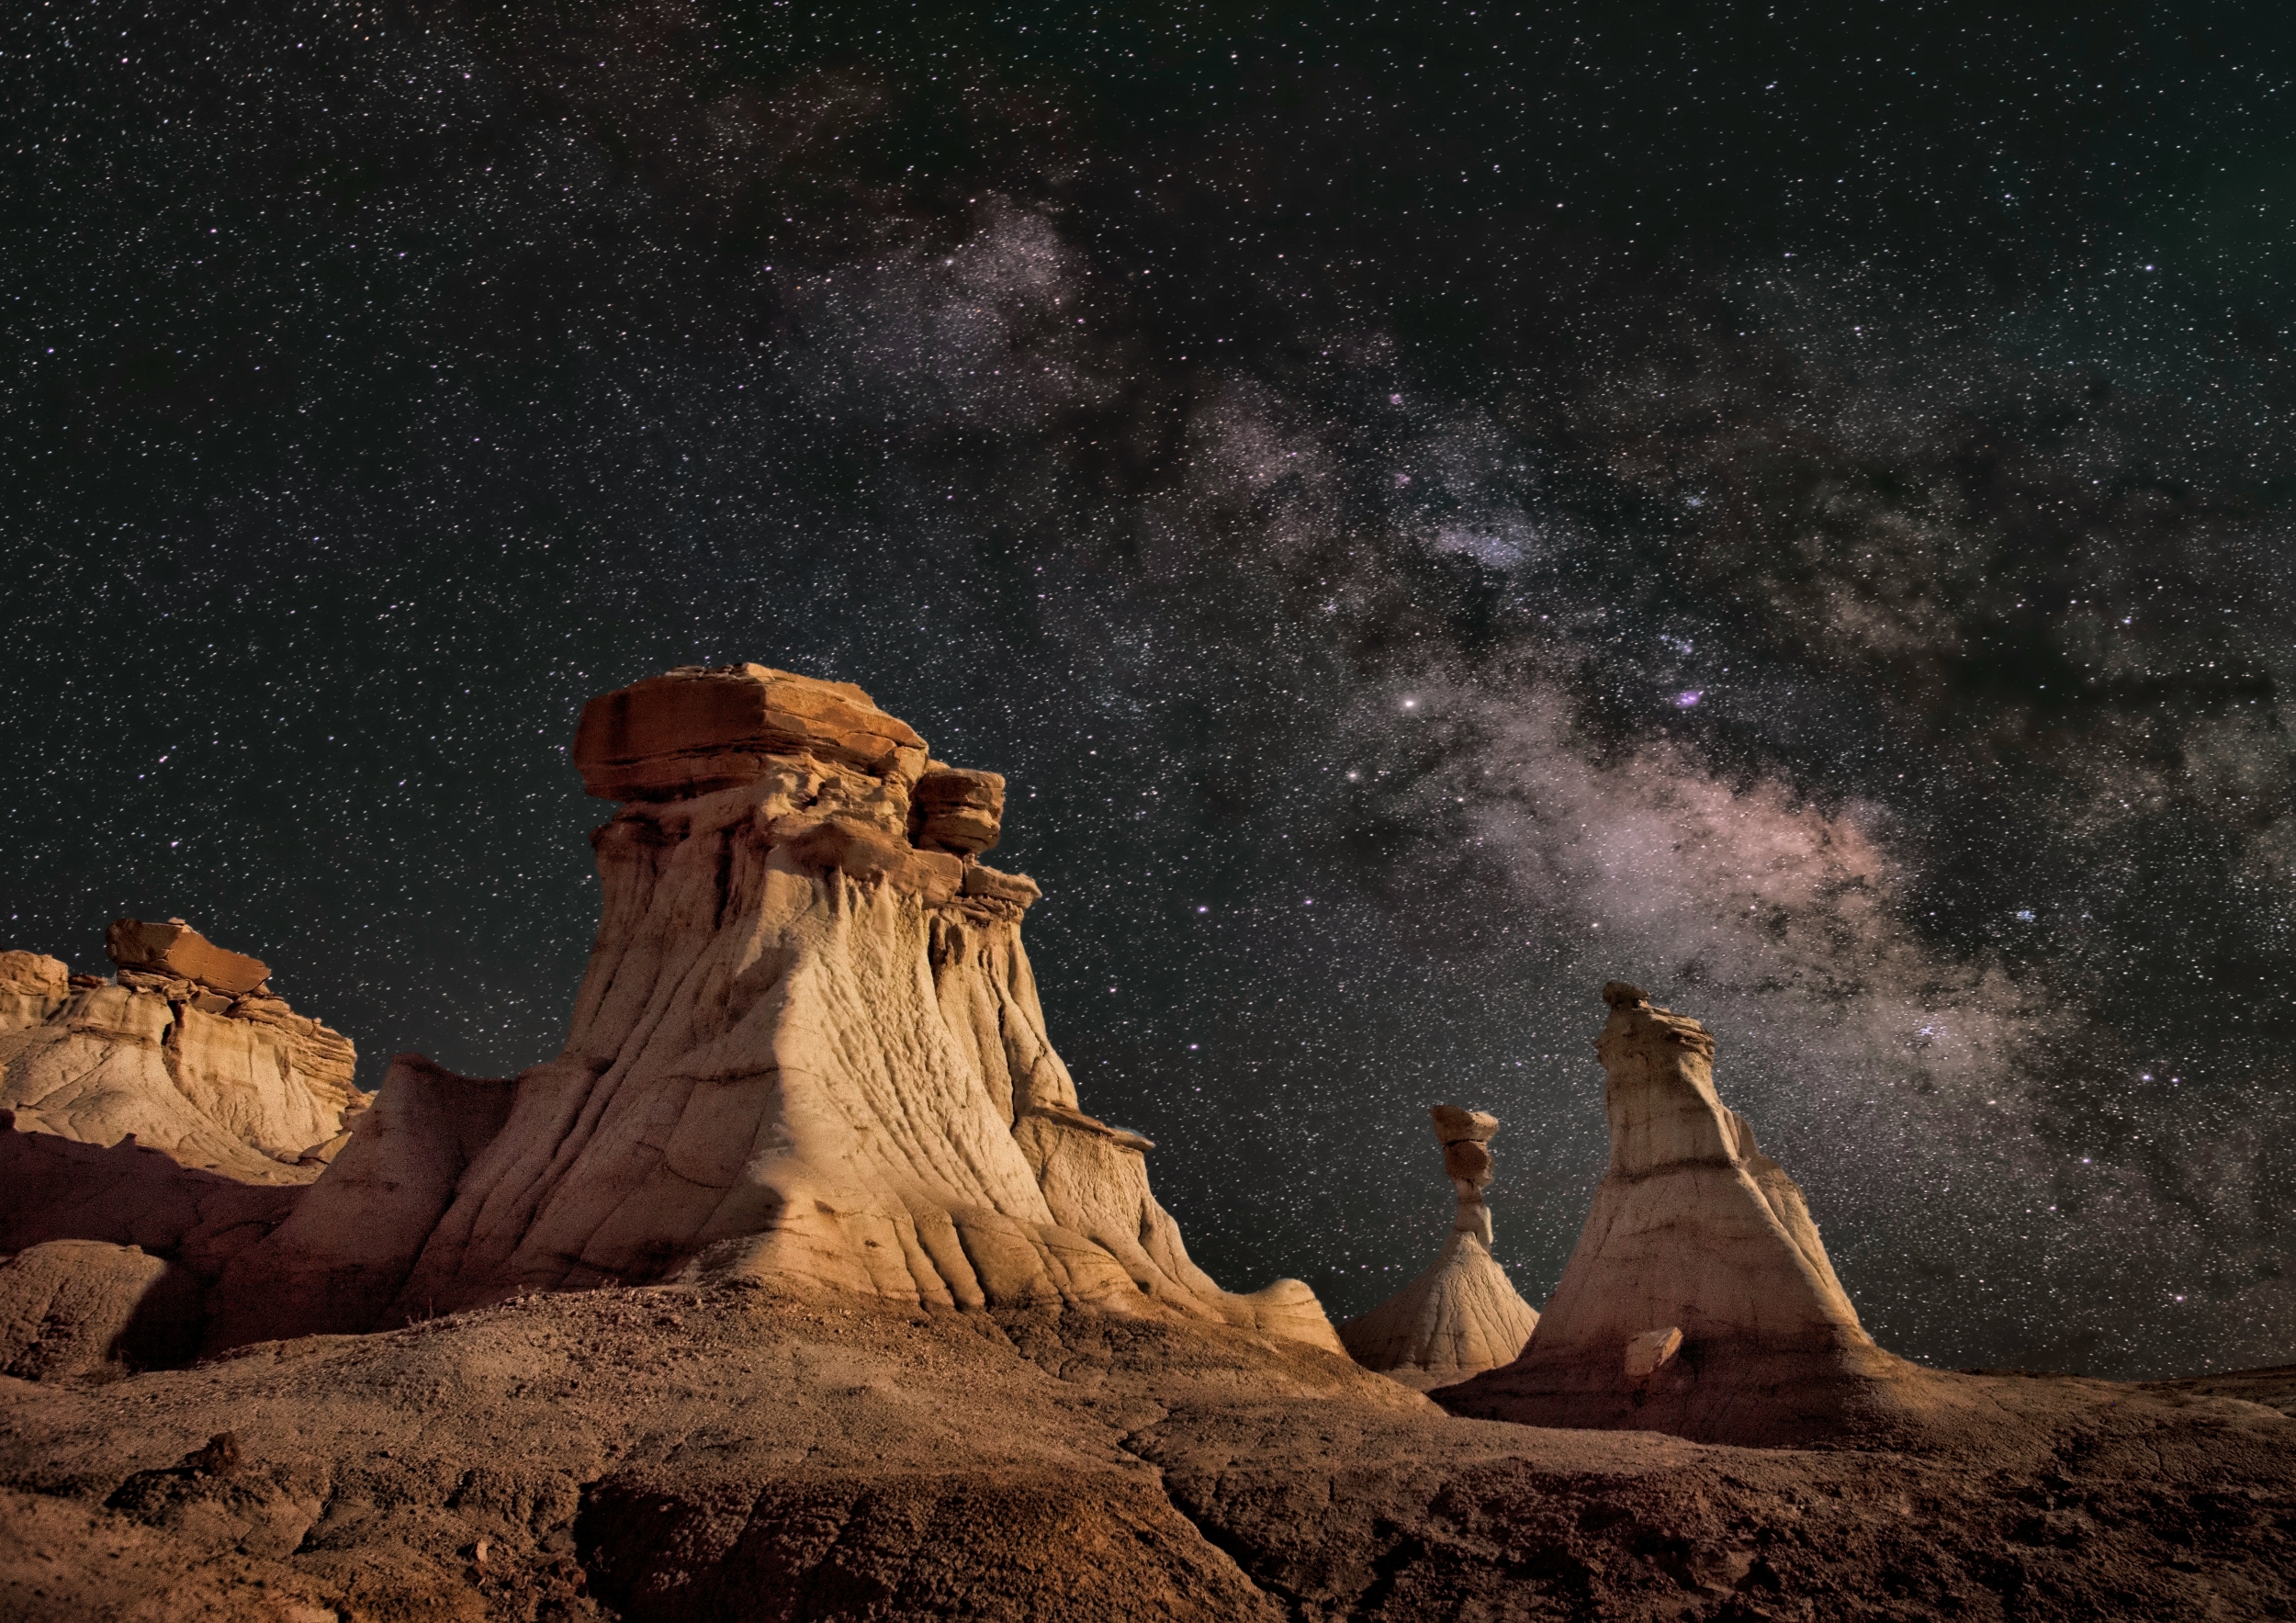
[801, 1284]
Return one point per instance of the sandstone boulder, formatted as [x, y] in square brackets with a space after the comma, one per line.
[1700, 1300]
[807, 1051]
[957, 810]
[168, 1054]
[1463, 1315]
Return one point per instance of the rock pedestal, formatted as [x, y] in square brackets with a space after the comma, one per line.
[808, 1050]
[1700, 1300]
[1463, 1315]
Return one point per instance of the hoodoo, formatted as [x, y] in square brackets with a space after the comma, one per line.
[186, 1051]
[1463, 1315]
[808, 1048]
[1700, 1300]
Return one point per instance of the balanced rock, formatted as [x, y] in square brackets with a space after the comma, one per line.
[180, 953]
[808, 1051]
[1462, 1315]
[1700, 1300]
[185, 1052]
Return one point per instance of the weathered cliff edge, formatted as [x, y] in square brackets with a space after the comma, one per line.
[808, 1050]
[1462, 1315]
[1699, 1300]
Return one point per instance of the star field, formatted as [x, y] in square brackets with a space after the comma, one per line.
[1432, 509]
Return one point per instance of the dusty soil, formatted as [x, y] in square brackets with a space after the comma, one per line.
[669, 1453]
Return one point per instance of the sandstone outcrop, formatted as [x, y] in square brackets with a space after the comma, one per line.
[186, 1051]
[808, 1050]
[1463, 1315]
[80, 1204]
[32, 986]
[1699, 1300]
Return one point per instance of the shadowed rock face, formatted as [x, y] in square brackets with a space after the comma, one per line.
[1699, 1300]
[1462, 1315]
[808, 1050]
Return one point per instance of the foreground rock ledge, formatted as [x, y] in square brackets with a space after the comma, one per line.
[808, 1051]
[671, 1453]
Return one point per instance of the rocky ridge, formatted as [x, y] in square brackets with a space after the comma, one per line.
[809, 1040]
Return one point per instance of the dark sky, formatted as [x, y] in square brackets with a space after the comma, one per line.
[1432, 508]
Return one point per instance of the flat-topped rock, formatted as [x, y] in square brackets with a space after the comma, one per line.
[701, 728]
[173, 949]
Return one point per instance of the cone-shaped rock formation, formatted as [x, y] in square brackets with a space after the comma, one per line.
[188, 1051]
[1699, 1300]
[808, 1048]
[1463, 1315]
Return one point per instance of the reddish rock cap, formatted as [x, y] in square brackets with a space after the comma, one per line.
[175, 948]
[956, 810]
[700, 728]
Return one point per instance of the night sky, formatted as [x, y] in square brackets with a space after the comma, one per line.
[1432, 507]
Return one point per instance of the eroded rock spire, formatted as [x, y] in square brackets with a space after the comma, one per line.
[1463, 1315]
[1700, 1299]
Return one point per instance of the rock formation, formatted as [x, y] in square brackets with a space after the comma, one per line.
[808, 1050]
[188, 1051]
[1699, 1300]
[1462, 1315]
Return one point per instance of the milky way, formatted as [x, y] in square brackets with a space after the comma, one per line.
[1430, 512]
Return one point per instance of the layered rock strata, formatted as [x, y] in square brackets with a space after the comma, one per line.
[808, 1050]
[186, 1051]
[1700, 1300]
[1463, 1315]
